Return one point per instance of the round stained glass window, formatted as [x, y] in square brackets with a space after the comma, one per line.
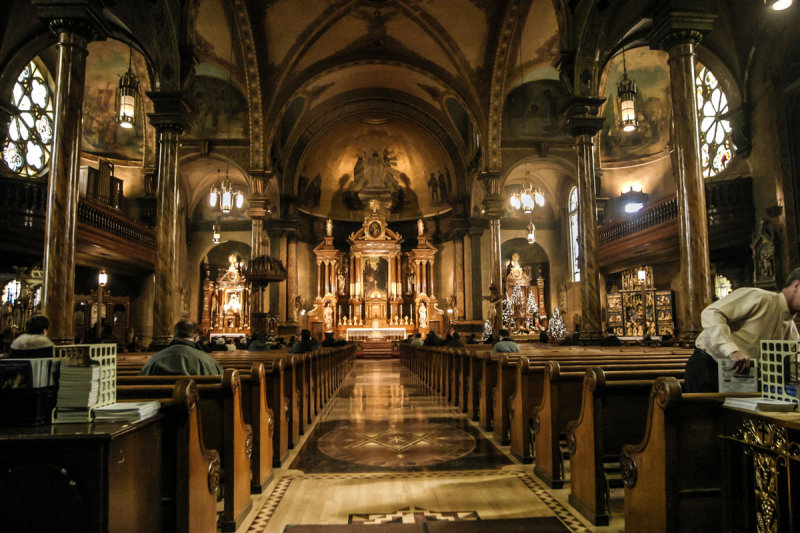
[716, 146]
[27, 150]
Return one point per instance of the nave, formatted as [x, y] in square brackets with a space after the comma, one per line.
[387, 450]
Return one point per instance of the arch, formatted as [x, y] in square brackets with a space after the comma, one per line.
[553, 190]
[199, 190]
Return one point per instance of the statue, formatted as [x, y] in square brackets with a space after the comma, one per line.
[327, 316]
[423, 315]
[329, 228]
[420, 227]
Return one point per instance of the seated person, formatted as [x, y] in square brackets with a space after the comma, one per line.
[219, 345]
[454, 341]
[182, 356]
[417, 340]
[473, 339]
[506, 344]
[433, 339]
[34, 343]
[230, 345]
[328, 341]
[610, 339]
[258, 344]
[305, 344]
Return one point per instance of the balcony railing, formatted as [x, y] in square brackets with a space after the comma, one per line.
[729, 205]
[23, 202]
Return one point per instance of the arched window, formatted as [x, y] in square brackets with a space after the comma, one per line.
[573, 234]
[716, 147]
[27, 150]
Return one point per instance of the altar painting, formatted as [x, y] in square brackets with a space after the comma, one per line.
[376, 277]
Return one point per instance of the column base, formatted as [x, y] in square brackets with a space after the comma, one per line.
[159, 343]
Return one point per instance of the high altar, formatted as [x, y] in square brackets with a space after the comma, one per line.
[375, 292]
[226, 301]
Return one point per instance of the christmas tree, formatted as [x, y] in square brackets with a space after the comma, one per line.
[487, 329]
[508, 321]
[555, 328]
[533, 308]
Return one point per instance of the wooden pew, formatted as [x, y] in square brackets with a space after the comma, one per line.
[223, 429]
[191, 472]
[674, 478]
[529, 383]
[561, 401]
[612, 414]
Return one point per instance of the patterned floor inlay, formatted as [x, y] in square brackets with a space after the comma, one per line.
[413, 515]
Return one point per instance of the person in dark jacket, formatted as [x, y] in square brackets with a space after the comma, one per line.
[454, 341]
[433, 339]
[34, 342]
[305, 344]
[183, 356]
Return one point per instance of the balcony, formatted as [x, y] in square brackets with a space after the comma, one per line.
[102, 231]
[651, 235]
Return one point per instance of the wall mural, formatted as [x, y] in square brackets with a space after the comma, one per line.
[650, 70]
[102, 135]
[217, 110]
[533, 111]
[353, 162]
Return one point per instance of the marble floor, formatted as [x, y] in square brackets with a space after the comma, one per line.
[386, 450]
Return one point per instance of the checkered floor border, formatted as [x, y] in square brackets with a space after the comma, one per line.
[566, 517]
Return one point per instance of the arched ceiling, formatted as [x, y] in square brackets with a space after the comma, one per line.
[197, 177]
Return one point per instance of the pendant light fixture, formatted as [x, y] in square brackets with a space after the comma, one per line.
[779, 5]
[127, 96]
[626, 91]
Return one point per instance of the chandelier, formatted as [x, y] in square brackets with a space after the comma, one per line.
[524, 201]
[225, 195]
[127, 96]
[626, 91]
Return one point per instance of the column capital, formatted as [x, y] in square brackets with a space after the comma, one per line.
[679, 22]
[583, 115]
[169, 111]
[494, 206]
[491, 180]
[82, 17]
[477, 226]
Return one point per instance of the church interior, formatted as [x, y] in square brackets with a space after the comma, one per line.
[571, 170]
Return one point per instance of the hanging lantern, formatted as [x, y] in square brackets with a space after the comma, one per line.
[226, 196]
[213, 195]
[527, 200]
[626, 91]
[239, 199]
[102, 277]
[538, 196]
[514, 201]
[531, 233]
[641, 274]
[779, 5]
[215, 236]
[127, 97]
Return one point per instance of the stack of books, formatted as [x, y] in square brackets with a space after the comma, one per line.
[760, 404]
[78, 391]
[126, 411]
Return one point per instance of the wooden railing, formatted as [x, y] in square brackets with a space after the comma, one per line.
[649, 216]
[111, 221]
[728, 203]
[23, 202]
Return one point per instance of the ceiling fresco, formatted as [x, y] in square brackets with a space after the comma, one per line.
[217, 110]
[370, 152]
[650, 70]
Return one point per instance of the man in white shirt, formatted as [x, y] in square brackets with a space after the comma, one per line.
[734, 326]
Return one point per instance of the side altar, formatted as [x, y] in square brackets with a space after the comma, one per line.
[375, 291]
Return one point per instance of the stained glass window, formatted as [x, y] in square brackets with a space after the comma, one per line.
[573, 234]
[716, 147]
[27, 150]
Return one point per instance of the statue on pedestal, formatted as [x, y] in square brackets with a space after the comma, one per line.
[423, 315]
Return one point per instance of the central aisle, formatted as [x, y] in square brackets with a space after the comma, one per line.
[386, 450]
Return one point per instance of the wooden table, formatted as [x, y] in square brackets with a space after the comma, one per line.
[764, 473]
[81, 477]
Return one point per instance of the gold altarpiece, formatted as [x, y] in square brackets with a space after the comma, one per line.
[361, 295]
[226, 301]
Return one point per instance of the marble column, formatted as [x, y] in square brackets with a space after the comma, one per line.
[475, 232]
[291, 279]
[458, 282]
[584, 123]
[319, 279]
[62, 196]
[494, 208]
[169, 121]
[679, 32]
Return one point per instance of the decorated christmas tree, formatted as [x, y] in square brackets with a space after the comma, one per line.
[556, 329]
[508, 311]
[487, 329]
[532, 309]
